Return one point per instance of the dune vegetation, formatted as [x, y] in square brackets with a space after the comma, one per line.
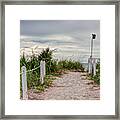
[54, 68]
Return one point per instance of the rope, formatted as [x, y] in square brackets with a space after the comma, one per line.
[30, 70]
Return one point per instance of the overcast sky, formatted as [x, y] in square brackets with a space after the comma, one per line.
[45, 27]
[71, 37]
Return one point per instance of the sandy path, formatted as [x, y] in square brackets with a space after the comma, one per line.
[71, 86]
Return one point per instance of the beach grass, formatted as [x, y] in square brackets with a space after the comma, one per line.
[54, 68]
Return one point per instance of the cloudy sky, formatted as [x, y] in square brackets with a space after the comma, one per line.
[70, 38]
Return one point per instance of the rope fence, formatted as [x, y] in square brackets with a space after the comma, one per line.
[30, 70]
[24, 77]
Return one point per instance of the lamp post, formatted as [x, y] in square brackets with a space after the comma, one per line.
[93, 37]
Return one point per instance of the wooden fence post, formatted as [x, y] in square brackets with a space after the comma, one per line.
[89, 65]
[42, 71]
[94, 67]
[24, 83]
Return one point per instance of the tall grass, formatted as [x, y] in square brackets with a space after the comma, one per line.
[53, 68]
[96, 77]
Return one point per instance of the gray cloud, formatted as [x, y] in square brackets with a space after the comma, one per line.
[45, 27]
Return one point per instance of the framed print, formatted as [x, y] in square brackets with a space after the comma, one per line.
[60, 60]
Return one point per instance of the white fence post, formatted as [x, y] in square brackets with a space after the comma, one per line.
[89, 65]
[24, 83]
[94, 67]
[42, 71]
